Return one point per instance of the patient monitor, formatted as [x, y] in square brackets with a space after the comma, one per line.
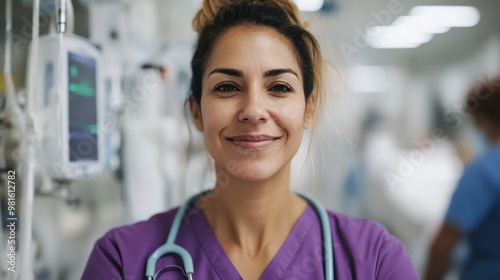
[68, 107]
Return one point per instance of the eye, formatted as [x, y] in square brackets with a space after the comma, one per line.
[281, 88]
[224, 88]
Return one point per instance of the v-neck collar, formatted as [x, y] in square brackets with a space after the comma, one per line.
[280, 263]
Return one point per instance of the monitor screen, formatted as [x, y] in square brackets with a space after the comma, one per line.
[82, 108]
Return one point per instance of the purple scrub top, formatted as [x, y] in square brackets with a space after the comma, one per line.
[363, 250]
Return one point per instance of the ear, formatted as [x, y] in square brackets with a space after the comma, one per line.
[310, 109]
[196, 113]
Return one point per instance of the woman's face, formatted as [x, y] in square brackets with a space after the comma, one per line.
[253, 110]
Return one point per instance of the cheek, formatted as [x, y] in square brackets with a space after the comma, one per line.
[215, 118]
[292, 116]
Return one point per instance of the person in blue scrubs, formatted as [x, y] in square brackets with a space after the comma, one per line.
[474, 210]
[257, 84]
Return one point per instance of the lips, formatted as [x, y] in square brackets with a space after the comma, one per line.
[252, 142]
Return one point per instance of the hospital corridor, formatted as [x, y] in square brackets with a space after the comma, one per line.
[249, 139]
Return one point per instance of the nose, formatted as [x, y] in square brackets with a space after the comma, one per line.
[254, 107]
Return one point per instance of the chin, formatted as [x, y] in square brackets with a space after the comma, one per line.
[254, 172]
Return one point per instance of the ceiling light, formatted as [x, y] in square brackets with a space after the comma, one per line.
[420, 23]
[396, 37]
[420, 26]
[448, 16]
[309, 5]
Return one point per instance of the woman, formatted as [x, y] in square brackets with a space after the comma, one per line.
[257, 80]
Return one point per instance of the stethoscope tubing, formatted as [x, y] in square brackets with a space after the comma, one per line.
[171, 248]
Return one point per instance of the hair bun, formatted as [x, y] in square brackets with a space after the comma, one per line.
[207, 13]
[209, 9]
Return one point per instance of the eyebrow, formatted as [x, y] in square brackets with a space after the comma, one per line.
[277, 72]
[239, 74]
[227, 71]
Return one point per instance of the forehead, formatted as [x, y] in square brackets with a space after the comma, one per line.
[247, 47]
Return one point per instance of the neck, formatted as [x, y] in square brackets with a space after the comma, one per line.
[496, 140]
[493, 140]
[249, 215]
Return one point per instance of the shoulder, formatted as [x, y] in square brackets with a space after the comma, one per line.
[483, 170]
[154, 228]
[368, 249]
[484, 161]
[124, 250]
[141, 237]
[363, 232]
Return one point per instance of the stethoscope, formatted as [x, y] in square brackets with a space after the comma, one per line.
[171, 248]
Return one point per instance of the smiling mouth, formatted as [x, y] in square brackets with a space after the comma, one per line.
[252, 142]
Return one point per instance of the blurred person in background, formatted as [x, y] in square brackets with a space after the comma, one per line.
[474, 210]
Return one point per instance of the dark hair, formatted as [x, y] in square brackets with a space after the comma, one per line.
[483, 101]
[256, 13]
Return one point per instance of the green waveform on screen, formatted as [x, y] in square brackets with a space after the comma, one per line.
[92, 128]
[73, 70]
[82, 89]
[84, 126]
